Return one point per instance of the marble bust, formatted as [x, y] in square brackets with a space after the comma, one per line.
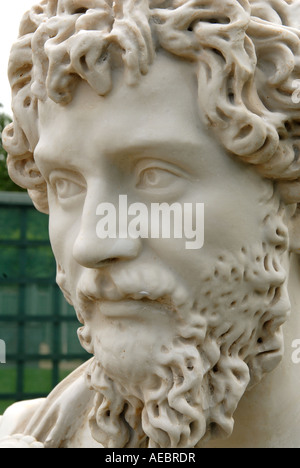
[166, 101]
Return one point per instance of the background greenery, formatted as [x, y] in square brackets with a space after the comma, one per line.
[36, 380]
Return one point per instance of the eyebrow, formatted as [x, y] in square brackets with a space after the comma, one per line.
[160, 149]
[183, 153]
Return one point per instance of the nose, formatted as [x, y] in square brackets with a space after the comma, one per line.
[92, 252]
[97, 253]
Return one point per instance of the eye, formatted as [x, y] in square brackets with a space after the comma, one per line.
[66, 189]
[155, 178]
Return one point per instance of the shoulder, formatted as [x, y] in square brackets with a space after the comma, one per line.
[16, 417]
[55, 420]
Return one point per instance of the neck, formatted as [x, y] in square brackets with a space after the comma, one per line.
[268, 416]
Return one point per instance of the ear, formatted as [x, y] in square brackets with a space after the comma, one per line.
[25, 173]
[294, 231]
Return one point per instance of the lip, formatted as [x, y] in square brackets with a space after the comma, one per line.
[132, 308]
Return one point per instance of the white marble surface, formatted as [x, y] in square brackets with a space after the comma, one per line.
[181, 103]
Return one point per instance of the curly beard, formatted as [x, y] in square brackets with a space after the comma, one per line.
[224, 341]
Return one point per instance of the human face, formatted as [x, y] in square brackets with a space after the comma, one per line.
[151, 143]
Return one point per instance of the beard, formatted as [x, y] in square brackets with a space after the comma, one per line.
[224, 340]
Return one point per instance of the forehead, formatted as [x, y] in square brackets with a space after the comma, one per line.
[161, 108]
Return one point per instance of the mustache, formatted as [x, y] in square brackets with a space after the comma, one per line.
[138, 282]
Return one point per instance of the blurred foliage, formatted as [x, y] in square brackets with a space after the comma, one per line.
[6, 184]
[24, 225]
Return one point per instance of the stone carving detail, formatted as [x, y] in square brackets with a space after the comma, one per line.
[20, 441]
[177, 337]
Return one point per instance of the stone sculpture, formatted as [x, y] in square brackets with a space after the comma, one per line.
[166, 101]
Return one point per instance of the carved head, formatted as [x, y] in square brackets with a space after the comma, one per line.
[173, 101]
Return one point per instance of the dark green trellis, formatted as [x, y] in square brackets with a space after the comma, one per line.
[36, 323]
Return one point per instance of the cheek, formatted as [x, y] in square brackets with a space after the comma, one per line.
[63, 232]
[233, 218]
[231, 222]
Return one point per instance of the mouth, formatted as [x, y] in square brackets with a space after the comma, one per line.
[131, 308]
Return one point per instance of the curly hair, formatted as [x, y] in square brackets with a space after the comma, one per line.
[247, 54]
